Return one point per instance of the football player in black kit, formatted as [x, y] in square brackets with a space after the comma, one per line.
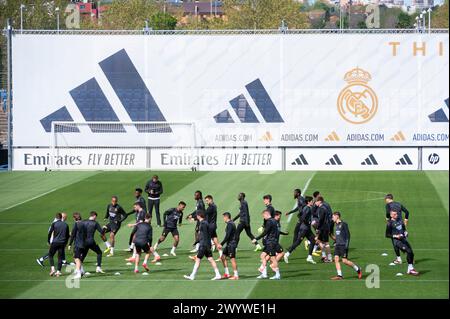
[399, 208]
[199, 206]
[396, 230]
[172, 218]
[139, 213]
[77, 237]
[244, 221]
[323, 229]
[154, 189]
[59, 231]
[229, 250]
[91, 226]
[271, 233]
[142, 239]
[303, 231]
[115, 215]
[342, 234]
[204, 248]
[211, 218]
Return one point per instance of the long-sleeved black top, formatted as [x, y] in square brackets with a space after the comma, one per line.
[60, 231]
[78, 235]
[91, 226]
[154, 189]
[244, 213]
[115, 213]
[342, 234]
[204, 234]
[230, 234]
[300, 204]
[142, 233]
[396, 207]
[211, 214]
[172, 217]
[271, 232]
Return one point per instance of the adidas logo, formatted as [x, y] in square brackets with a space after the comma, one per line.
[300, 160]
[370, 160]
[335, 160]
[398, 137]
[404, 160]
[333, 137]
[129, 87]
[439, 115]
[267, 137]
[244, 111]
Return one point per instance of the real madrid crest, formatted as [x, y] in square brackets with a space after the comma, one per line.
[357, 103]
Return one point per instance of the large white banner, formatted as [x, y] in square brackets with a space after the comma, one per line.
[352, 159]
[239, 90]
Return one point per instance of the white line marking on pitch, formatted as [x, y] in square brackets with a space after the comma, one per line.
[303, 192]
[30, 199]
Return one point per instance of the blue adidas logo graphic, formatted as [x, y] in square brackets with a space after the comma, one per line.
[243, 110]
[439, 115]
[129, 88]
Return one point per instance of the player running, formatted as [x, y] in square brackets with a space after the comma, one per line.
[341, 248]
[244, 221]
[115, 215]
[396, 230]
[139, 212]
[142, 238]
[271, 233]
[204, 248]
[211, 218]
[323, 230]
[229, 251]
[59, 231]
[78, 238]
[199, 206]
[303, 230]
[41, 259]
[172, 218]
[91, 226]
[399, 208]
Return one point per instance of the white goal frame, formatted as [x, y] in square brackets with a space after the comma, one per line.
[185, 138]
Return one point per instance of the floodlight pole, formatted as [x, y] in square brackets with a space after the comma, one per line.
[9, 90]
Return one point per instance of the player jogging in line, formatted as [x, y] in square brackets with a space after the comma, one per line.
[323, 230]
[154, 189]
[271, 233]
[172, 218]
[341, 247]
[77, 237]
[302, 231]
[91, 226]
[396, 229]
[204, 248]
[211, 218]
[59, 230]
[41, 260]
[199, 206]
[244, 221]
[229, 244]
[139, 215]
[280, 250]
[399, 208]
[115, 215]
[142, 239]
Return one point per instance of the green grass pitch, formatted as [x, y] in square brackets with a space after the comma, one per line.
[28, 202]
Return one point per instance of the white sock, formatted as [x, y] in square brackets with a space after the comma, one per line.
[155, 254]
[220, 253]
[324, 254]
[134, 254]
[264, 272]
[315, 248]
[136, 267]
[197, 246]
[339, 272]
[112, 250]
[399, 258]
[355, 267]
[132, 246]
[309, 257]
[194, 270]
[287, 254]
[410, 267]
[236, 273]
[82, 269]
[53, 268]
[216, 270]
[277, 272]
[173, 249]
[226, 271]
[107, 244]
[329, 257]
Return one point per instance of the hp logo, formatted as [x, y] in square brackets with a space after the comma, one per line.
[433, 158]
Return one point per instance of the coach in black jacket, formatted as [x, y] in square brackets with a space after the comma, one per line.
[154, 189]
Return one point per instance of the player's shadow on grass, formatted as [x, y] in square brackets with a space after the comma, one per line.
[421, 260]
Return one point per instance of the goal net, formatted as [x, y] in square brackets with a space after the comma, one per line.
[119, 145]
